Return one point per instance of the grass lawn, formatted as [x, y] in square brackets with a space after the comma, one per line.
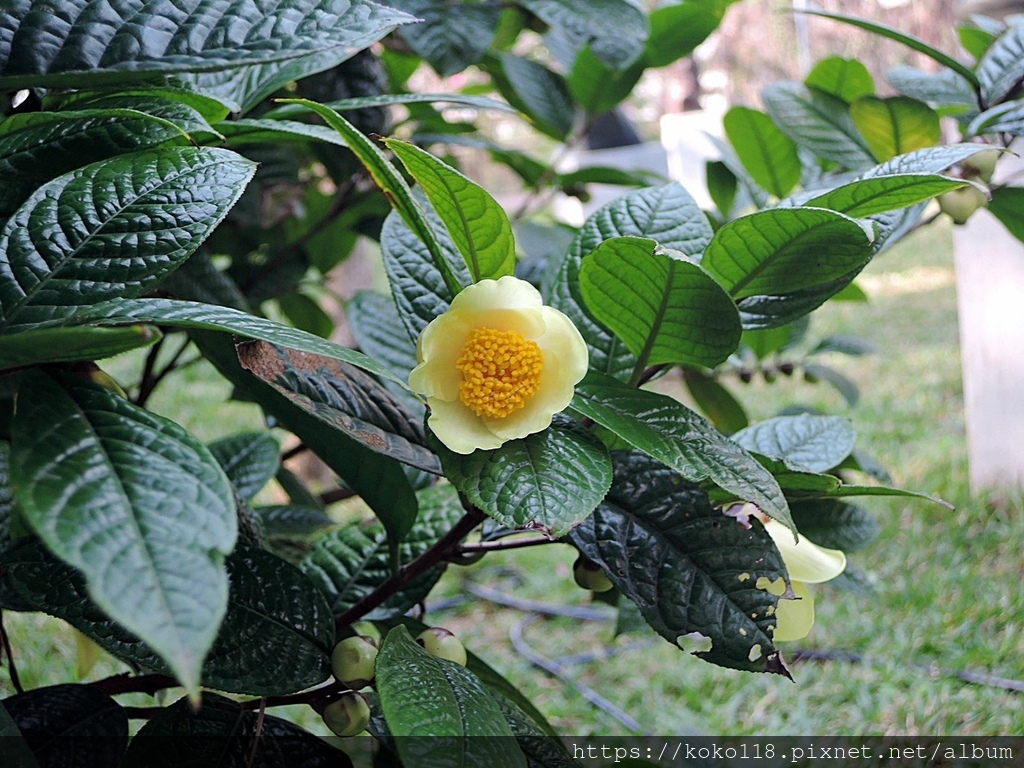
[948, 583]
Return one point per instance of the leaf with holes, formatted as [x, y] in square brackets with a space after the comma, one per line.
[802, 442]
[129, 42]
[347, 564]
[69, 725]
[249, 459]
[665, 308]
[112, 229]
[688, 567]
[549, 481]
[767, 153]
[667, 215]
[668, 431]
[105, 483]
[344, 397]
[444, 706]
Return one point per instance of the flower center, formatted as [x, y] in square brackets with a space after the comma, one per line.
[500, 371]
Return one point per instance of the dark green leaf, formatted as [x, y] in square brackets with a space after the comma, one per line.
[767, 312]
[665, 308]
[542, 94]
[440, 712]
[548, 481]
[688, 567]
[274, 613]
[941, 89]
[846, 79]
[345, 397]
[847, 491]
[306, 313]
[379, 332]
[238, 133]
[780, 250]
[199, 280]
[895, 125]
[220, 733]
[16, 750]
[615, 30]
[1007, 205]
[112, 230]
[677, 30]
[667, 215]
[38, 146]
[767, 153]
[78, 47]
[451, 36]
[249, 459]
[283, 520]
[844, 385]
[803, 442]
[387, 99]
[597, 86]
[134, 502]
[722, 185]
[818, 122]
[606, 174]
[61, 345]
[1001, 69]
[478, 226]
[835, 524]
[347, 564]
[878, 194]
[164, 99]
[679, 438]
[717, 402]
[911, 42]
[69, 725]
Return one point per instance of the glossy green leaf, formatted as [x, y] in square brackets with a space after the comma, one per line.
[722, 185]
[451, 36]
[168, 514]
[665, 308]
[112, 230]
[668, 431]
[391, 184]
[540, 93]
[39, 48]
[1007, 117]
[239, 133]
[379, 332]
[941, 89]
[181, 736]
[477, 224]
[68, 725]
[878, 194]
[667, 215]
[688, 567]
[549, 481]
[781, 250]
[274, 613]
[767, 153]
[38, 146]
[818, 122]
[597, 86]
[895, 125]
[615, 30]
[677, 30]
[931, 160]
[845, 491]
[767, 312]
[908, 40]
[802, 442]
[61, 345]
[349, 563]
[846, 79]
[283, 520]
[345, 397]
[440, 712]
[717, 402]
[249, 459]
[164, 99]
[1007, 205]
[836, 524]
[1002, 67]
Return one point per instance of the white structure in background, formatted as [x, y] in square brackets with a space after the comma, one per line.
[990, 297]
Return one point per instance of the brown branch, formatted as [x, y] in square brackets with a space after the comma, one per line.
[125, 683]
[338, 494]
[405, 575]
[497, 546]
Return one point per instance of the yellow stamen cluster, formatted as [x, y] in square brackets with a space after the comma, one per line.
[500, 371]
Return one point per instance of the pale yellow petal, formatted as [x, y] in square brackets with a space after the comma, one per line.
[438, 349]
[795, 617]
[460, 429]
[504, 293]
[806, 561]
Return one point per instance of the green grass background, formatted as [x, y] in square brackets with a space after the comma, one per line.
[949, 583]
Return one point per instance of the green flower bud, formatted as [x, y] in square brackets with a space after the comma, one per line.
[347, 715]
[439, 642]
[353, 659]
[589, 575]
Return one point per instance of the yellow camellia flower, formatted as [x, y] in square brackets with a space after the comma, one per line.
[497, 365]
[807, 563]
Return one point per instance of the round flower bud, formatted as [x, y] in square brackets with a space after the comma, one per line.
[590, 575]
[347, 715]
[982, 165]
[960, 204]
[353, 659]
[439, 642]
